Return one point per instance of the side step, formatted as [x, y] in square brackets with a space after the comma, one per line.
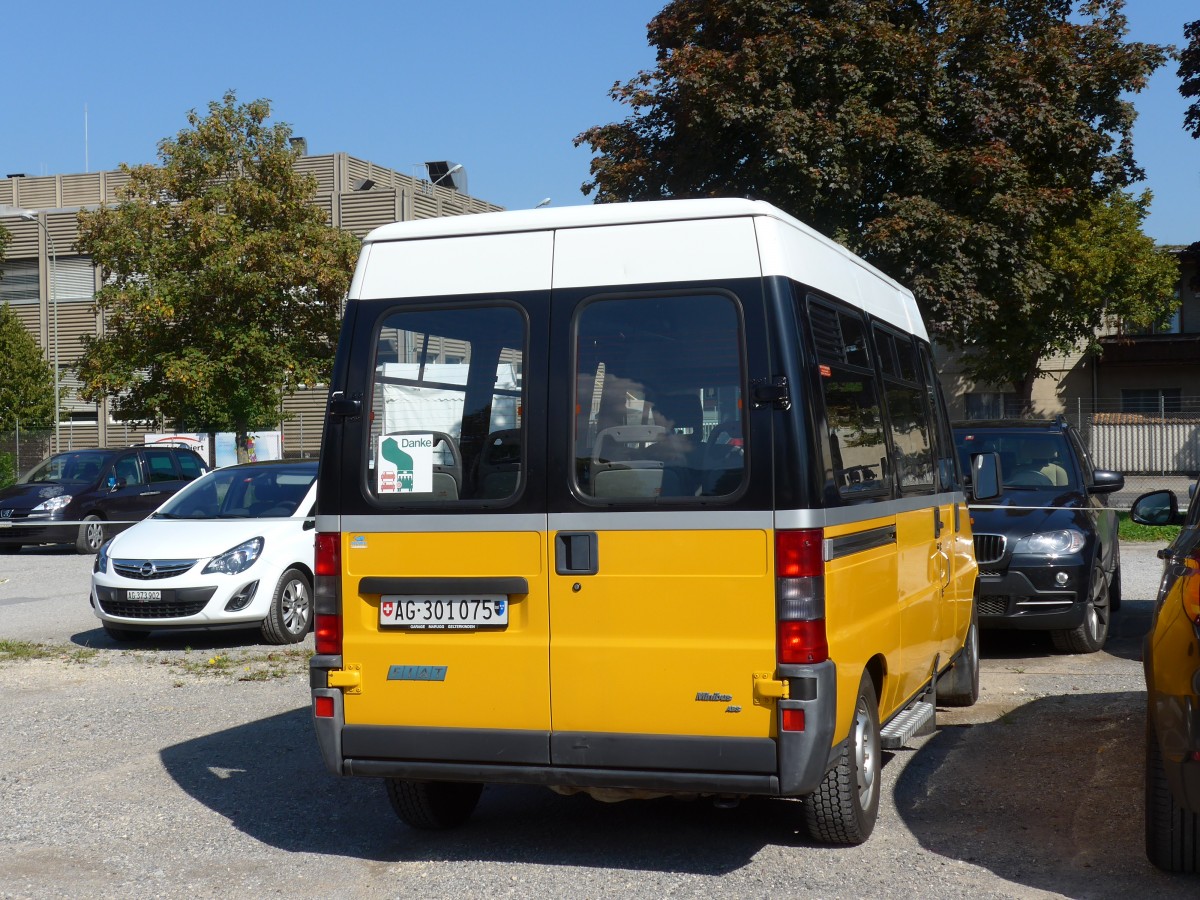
[916, 719]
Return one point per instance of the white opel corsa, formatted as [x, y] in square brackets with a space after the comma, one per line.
[234, 548]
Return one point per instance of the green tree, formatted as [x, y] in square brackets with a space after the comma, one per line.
[223, 282]
[945, 141]
[1189, 73]
[26, 387]
[1105, 268]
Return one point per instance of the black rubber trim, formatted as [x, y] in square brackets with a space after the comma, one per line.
[484, 745]
[663, 751]
[849, 544]
[443, 586]
[678, 782]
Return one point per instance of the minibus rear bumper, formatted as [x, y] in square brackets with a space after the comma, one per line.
[791, 764]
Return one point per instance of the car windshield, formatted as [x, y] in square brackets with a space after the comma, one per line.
[78, 467]
[1028, 460]
[243, 492]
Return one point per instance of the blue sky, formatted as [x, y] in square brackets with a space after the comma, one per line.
[502, 88]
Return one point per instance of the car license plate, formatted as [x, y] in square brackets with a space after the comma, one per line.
[143, 596]
[443, 613]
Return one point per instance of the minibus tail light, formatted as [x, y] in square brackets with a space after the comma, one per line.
[800, 596]
[328, 627]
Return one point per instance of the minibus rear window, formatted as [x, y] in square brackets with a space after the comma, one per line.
[446, 406]
[658, 399]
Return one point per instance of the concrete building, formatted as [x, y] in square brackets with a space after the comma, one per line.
[356, 195]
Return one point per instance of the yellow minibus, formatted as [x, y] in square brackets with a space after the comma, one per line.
[635, 500]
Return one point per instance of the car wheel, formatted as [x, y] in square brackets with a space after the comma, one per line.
[1172, 833]
[960, 686]
[844, 808]
[433, 805]
[1114, 585]
[91, 535]
[291, 612]
[1090, 635]
[125, 635]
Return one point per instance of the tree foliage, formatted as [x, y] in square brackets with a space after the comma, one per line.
[222, 282]
[27, 387]
[1189, 73]
[943, 140]
[1104, 268]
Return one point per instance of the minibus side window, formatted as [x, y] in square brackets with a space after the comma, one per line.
[658, 399]
[856, 462]
[949, 477]
[909, 415]
[446, 401]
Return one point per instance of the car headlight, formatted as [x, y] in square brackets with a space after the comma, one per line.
[101, 564]
[53, 504]
[237, 559]
[1052, 543]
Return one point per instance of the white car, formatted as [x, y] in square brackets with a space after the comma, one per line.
[234, 548]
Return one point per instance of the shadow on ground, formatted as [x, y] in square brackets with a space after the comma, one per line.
[267, 779]
[1048, 796]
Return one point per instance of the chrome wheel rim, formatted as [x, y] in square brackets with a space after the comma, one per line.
[94, 535]
[294, 605]
[866, 756]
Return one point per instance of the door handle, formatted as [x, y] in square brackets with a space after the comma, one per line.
[576, 553]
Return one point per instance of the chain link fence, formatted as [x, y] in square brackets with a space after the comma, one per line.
[1155, 444]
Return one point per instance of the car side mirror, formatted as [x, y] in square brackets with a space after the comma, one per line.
[986, 477]
[1105, 482]
[1156, 508]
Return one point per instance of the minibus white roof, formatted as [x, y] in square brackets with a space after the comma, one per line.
[785, 245]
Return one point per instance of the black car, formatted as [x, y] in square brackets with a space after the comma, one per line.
[1047, 547]
[1171, 659]
[85, 496]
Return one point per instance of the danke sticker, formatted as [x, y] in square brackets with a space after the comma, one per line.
[405, 464]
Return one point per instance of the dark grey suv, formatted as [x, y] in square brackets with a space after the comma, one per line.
[83, 497]
[1048, 552]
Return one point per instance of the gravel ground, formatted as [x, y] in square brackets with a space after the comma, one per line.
[187, 768]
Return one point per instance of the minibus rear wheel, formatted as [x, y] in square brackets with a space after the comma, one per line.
[844, 808]
[433, 805]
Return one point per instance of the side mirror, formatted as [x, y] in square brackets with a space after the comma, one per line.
[1105, 482]
[1156, 508]
[986, 477]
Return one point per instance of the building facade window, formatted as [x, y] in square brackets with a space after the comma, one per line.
[992, 404]
[1152, 401]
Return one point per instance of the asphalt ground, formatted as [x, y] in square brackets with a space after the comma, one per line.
[187, 768]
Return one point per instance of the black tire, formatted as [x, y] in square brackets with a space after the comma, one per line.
[1089, 636]
[125, 635]
[433, 805]
[91, 535]
[291, 614]
[960, 686]
[844, 808]
[1114, 584]
[1172, 833]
